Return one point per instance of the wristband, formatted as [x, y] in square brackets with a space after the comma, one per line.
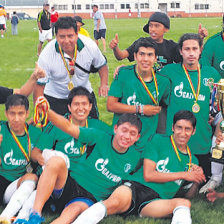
[141, 109]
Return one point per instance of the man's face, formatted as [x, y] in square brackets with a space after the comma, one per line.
[145, 58]
[16, 116]
[46, 7]
[80, 108]
[94, 9]
[190, 52]
[67, 38]
[182, 131]
[125, 136]
[157, 31]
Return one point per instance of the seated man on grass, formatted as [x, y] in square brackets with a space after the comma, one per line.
[149, 192]
[111, 159]
[17, 141]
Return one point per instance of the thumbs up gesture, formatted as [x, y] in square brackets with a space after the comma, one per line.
[114, 42]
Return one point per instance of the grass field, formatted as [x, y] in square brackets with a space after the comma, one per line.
[17, 60]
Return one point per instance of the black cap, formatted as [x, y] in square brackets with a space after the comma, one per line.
[45, 4]
[158, 17]
[79, 19]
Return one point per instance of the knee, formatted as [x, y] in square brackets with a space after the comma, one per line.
[183, 202]
[56, 163]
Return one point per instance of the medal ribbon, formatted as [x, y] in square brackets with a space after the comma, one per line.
[20, 146]
[65, 63]
[83, 148]
[191, 84]
[155, 101]
[177, 153]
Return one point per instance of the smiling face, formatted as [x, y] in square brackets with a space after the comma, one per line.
[16, 116]
[157, 31]
[125, 136]
[145, 58]
[80, 108]
[182, 131]
[190, 52]
[67, 38]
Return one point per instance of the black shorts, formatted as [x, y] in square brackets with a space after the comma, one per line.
[4, 183]
[141, 196]
[101, 33]
[60, 106]
[71, 192]
[2, 26]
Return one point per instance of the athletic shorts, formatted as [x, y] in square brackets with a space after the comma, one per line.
[2, 26]
[72, 192]
[101, 33]
[45, 35]
[4, 183]
[141, 196]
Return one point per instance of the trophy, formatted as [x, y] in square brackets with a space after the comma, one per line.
[218, 93]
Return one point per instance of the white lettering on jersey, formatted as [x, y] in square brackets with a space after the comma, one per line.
[131, 99]
[101, 167]
[221, 65]
[69, 148]
[9, 160]
[127, 167]
[178, 91]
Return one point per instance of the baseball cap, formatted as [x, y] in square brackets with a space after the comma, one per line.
[159, 17]
[79, 19]
[45, 4]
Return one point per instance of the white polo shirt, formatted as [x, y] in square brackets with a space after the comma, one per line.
[57, 78]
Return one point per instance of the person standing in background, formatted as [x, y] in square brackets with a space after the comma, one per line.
[54, 19]
[2, 20]
[14, 22]
[99, 26]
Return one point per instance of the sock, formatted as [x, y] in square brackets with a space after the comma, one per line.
[216, 169]
[181, 215]
[10, 190]
[92, 215]
[25, 211]
[18, 198]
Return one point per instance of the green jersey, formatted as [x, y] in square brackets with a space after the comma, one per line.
[166, 160]
[13, 161]
[212, 53]
[104, 167]
[54, 138]
[128, 88]
[182, 98]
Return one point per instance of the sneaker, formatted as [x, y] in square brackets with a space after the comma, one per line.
[4, 220]
[211, 184]
[2, 36]
[35, 218]
[20, 221]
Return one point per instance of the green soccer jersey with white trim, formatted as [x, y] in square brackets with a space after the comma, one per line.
[182, 98]
[128, 88]
[54, 138]
[13, 161]
[212, 53]
[166, 161]
[104, 167]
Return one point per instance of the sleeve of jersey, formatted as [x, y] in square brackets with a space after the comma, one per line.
[89, 135]
[151, 150]
[4, 93]
[39, 16]
[35, 134]
[116, 87]
[207, 53]
[130, 50]
[167, 93]
[215, 74]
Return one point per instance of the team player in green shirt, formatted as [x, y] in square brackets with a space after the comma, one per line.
[138, 90]
[149, 192]
[16, 144]
[190, 91]
[112, 158]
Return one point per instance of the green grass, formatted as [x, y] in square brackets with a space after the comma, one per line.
[17, 60]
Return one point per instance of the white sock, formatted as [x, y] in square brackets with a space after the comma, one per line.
[92, 215]
[18, 198]
[216, 169]
[10, 190]
[25, 211]
[181, 215]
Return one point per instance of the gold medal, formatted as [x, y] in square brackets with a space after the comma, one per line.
[29, 168]
[70, 86]
[196, 108]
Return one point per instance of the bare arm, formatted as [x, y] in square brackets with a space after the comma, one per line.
[36, 156]
[98, 25]
[103, 73]
[38, 91]
[114, 106]
[39, 26]
[213, 195]
[152, 175]
[118, 53]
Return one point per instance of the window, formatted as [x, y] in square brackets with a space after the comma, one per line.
[136, 5]
[88, 6]
[79, 7]
[146, 5]
[142, 6]
[101, 6]
[122, 6]
[206, 6]
[177, 5]
[202, 6]
[128, 6]
[111, 6]
[196, 6]
[172, 5]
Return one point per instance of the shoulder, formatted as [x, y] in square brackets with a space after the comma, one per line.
[211, 71]
[126, 70]
[170, 67]
[32, 129]
[214, 38]
[163, 78]
[170, 43]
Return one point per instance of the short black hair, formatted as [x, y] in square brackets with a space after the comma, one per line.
[65, 22]
[79, 91]
[185, 115]
[95, 6]
[133, 119]
[145, 42]
[190, 36]
[17, 100]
